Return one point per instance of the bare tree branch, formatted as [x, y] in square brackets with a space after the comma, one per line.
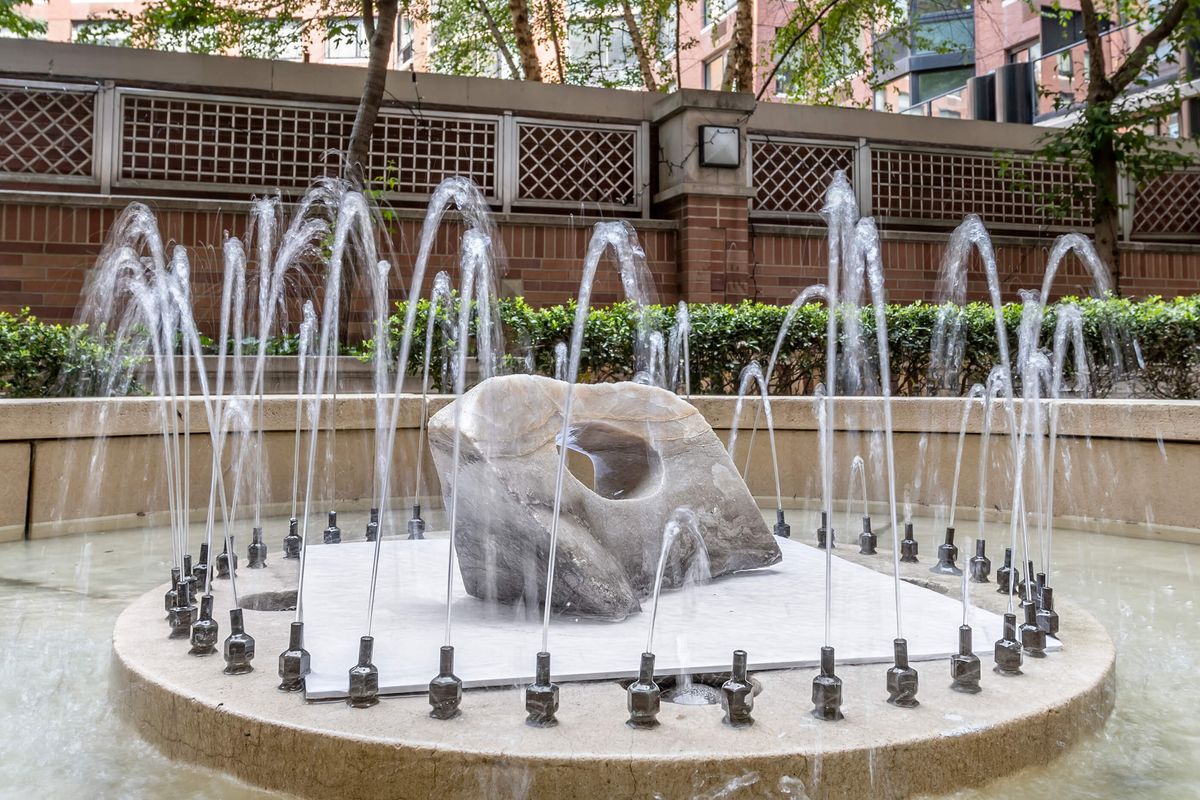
[498, 38]
[368, 18]
[639, 47]
[552, 24]
[1149, 45]
[1098, 81]
[800, 34]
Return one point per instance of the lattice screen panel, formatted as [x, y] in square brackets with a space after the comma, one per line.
[1169, 204]
[561, 164]
[419, 152]
[791, 177]
[944, 187]
[46, 132]
[222, 143]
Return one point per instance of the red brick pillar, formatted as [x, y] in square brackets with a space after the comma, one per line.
[711, 203]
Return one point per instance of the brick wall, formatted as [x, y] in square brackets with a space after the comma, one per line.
[46, 250]
[714, 247]
[785, 261]
[710, 253]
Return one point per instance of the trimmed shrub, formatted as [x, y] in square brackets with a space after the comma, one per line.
[1156, 343]
[38, 359]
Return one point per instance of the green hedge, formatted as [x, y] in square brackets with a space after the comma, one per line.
[727, 337]
[39, 359]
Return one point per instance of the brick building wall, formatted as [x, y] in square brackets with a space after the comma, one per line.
[46, 250]
[712, 254]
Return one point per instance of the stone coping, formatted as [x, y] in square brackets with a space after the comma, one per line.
[1165, 420]
[190, 710]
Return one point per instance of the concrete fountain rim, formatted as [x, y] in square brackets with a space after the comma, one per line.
[187, 708]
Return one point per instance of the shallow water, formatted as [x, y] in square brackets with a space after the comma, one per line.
[59, 737]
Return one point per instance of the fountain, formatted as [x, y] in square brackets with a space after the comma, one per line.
[642, 575]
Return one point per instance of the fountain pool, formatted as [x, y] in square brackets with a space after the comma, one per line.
[63, 735]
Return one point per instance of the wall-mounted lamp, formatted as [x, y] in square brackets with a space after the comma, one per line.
[720, 146]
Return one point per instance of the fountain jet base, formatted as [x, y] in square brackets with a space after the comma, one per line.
[737, 694]
[364, 677]
[965, 668]
[902, 679]
[239, 646]
[980, 564]
[205, 630]
[867, 541]
[827, 690]
[295, 662]
[781, 529]
[445, 690]
[291, 542]
[416, 525]
[947, 554]
[908, 545]
[541, 696]
[643, 697]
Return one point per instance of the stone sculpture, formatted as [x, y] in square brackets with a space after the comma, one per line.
[651, 453]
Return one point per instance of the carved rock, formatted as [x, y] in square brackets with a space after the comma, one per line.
[651, 453]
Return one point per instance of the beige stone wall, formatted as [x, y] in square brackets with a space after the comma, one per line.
[14, 488]
[1125, 465]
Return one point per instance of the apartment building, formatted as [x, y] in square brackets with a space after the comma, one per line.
[948, 66]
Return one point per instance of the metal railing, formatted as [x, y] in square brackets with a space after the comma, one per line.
[952, 104]
[114, 137]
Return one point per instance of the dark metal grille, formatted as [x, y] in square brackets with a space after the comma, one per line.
[944, 187]
[1169, 204]
[222, 143]
[790, 176]
[47, 131]
[563, 164]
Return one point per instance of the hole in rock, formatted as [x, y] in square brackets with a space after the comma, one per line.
[270, 601]
[612, 462]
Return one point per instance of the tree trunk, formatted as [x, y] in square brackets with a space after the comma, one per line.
[526, 47]
[382, 32]
[639, 47]
[1106, 207]
[556, 41]
[678, 47]
[739, 71]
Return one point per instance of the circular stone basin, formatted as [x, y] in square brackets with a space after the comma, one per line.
[243, 725]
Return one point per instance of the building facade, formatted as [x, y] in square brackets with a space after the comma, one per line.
[952, 42]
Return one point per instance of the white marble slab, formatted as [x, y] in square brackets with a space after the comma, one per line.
[775, 614]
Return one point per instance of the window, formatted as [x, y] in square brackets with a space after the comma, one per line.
[945, 36]
[946, 112]
[276, 39]
[1025, 53]
[932, 84]
[346, 38]
[921, 8]
[602, 47]
[1065, 68]
[404, 41]
[784, 82]
[714, 70]
[880, 100]
[715, 10]
[91, 31]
